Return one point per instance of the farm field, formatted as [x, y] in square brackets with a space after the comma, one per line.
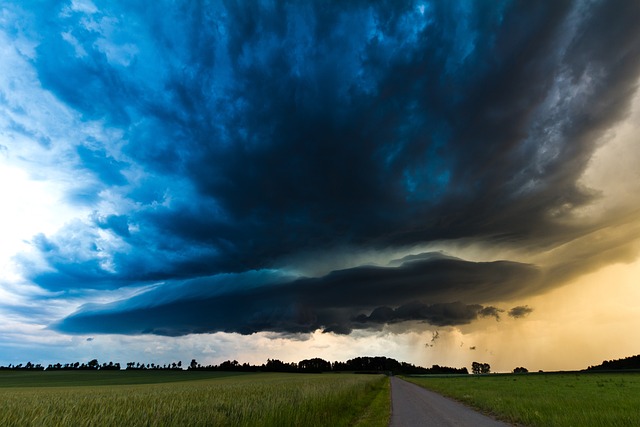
[540, 399]
[192, 398]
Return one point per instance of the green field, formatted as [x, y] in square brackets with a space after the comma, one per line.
[192, 398]
[568, 399]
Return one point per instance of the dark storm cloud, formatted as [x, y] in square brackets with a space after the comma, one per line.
[267, 130]
[338, 302]
[490, 312]
[520, 311]
[444, 314]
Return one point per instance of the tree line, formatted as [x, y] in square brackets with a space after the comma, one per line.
[92, 365]
[631, 362]
[314, 365]
[358, 364]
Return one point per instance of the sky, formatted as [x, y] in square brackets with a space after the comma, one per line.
[438, 182]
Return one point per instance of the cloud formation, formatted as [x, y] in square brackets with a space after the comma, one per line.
[338, 302]
[520, 311]
[219, 143]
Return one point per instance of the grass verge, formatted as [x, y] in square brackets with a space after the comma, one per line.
[378, 411]
[569, 399]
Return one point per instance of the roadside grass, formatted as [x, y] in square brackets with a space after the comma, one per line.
[562, 399]
[263, 399]
[378, 411]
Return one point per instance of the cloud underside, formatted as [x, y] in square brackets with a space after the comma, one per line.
[234, 142]
[357, 298]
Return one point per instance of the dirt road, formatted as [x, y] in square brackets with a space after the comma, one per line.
[415, 406]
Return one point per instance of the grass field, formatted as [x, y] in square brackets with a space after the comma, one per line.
[192, 398]
[568, 399]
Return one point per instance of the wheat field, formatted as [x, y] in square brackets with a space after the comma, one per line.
[263, 399]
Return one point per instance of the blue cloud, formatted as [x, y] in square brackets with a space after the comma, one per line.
[118, 223]
[107, 169]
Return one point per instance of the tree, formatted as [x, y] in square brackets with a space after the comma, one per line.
[520, 370]
[475, 368]
[480, 368]
[275, 365]
[314, 365]
[229, 365]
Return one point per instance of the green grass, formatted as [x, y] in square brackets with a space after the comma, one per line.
[378, 411]
[263, 399]
[82, 378]
[569, 399]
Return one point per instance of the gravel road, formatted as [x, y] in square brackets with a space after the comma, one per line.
[415, 406]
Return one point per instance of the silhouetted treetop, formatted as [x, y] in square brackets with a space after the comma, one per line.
[632, 362]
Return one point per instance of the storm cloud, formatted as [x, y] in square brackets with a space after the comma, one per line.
[239, 135]
[520, 311]
[338, 302]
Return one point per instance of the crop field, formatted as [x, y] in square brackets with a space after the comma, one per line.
[567, 399]
[192, 398]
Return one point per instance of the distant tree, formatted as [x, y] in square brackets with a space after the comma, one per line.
[275, 365]
[475, 368]
[436, 369]
[193, 364]
[314, 365]
[520, 370]
[93, 364]
[229, 365]
[110, 366]
[374, 364]
[480, 368]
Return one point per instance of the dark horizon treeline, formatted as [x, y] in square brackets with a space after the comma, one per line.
[314, 365]
[92, 365]
[359, 364]
[631, 362]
